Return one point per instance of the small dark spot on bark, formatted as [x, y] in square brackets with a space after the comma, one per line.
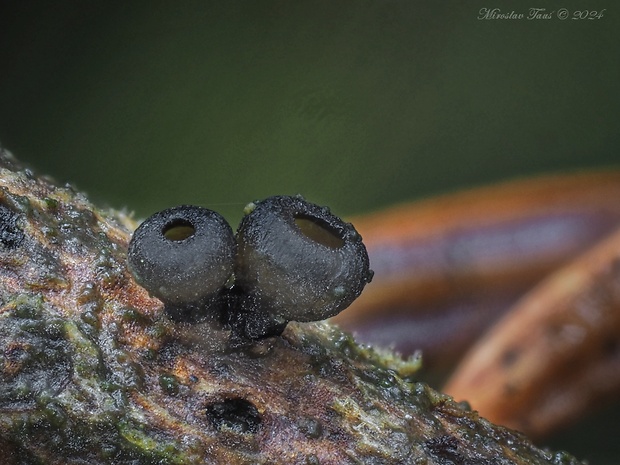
[445, 450]
[236, 415]
[11, 236]
[310, 427]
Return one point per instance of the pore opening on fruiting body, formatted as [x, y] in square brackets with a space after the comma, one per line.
[178, 230]
[318, 231]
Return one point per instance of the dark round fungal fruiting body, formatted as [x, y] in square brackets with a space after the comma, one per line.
[183, 255]
[297, 261]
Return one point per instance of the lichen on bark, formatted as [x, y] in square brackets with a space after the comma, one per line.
[94, 371]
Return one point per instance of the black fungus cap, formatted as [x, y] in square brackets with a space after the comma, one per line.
[297, 261]
[182, 255]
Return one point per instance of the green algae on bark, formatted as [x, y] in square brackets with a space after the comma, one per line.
[94, 372]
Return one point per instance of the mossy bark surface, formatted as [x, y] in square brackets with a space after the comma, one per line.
[94, 372]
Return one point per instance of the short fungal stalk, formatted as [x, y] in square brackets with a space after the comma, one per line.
[292, 261]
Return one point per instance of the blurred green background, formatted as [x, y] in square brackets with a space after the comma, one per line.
[355, 104]
[358, 105]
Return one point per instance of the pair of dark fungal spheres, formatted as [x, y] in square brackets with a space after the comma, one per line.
[290, 260]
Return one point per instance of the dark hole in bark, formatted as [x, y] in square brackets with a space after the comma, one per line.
[444, 449]
[236, 415]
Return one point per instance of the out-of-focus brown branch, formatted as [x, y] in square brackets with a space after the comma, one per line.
[447, 268]
[556, 353]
